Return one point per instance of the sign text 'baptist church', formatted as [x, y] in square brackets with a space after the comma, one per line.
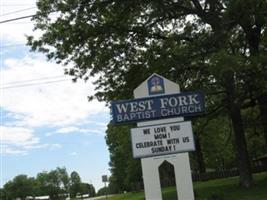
[165, 106]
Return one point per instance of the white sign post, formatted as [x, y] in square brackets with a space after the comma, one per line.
[156, 85]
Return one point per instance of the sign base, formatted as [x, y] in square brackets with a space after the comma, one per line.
[150, 169]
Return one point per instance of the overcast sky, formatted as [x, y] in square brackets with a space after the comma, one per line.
[46, 120]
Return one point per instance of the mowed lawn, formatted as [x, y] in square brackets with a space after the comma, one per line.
[220, 189]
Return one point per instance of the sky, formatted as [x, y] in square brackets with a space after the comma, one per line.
[45, 120]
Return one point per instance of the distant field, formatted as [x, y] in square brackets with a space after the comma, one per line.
[220, 189]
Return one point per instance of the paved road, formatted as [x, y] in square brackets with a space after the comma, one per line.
[97, 198]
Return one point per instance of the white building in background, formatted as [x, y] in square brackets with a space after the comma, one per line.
[38, 198]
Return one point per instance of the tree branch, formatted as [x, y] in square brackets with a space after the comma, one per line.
[198, 7]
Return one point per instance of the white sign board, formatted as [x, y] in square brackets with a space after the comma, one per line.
[162, 139]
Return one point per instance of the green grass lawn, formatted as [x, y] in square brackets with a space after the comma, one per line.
[220, 189]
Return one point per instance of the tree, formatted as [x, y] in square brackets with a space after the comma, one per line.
[75, 184]
[64, 178]
[126, 171]
[103, 191]
[87, 189]
[20, 187]
[217, 142]
[53, 183]
[3, 194]
[218, 45]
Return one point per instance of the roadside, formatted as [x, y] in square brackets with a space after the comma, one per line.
[99, 197]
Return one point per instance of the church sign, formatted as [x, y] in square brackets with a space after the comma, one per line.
[158, 107]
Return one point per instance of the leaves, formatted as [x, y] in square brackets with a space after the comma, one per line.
[53, 183]
[216, 46]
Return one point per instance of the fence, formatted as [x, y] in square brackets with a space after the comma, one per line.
[224, 173]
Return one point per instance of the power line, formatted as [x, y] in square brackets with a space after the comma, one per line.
[17, 11]
[22, 17]
[37, 79]
[17, 18]
[19, 23]
[12, 45]
[15, 5]
[33, 84]
[29, 16]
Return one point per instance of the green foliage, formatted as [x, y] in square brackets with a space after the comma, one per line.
[221, 189]
[126, 171]
[216, 46]
[55, 183]
[125, 41]
[103, 191]
[216, 138]
[75, 184]
[21, 186]
[254, 130]
[87, 189]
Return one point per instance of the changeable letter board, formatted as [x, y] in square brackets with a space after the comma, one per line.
[162, 139]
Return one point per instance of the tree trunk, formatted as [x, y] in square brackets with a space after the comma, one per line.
[242, 157]
[199, 155]
[262, 100]
[241, 147]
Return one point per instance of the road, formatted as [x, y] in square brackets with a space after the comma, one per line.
[97, 198]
